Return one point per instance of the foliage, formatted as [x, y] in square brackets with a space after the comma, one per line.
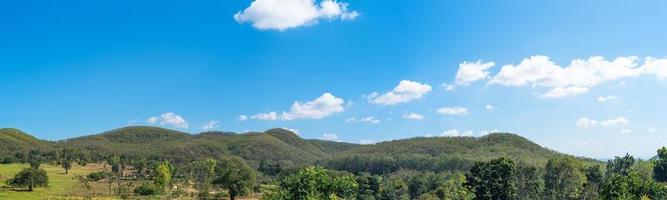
[495, 179]
[146, 189]
[234, 175]
[31, 178]
[202, 172]
[620, 165]
[660, 169]
[393, 188]
[315, 183]
[162, 175]
[97, 176]
[563, 179]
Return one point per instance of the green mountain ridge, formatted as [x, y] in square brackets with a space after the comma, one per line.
[279, 145]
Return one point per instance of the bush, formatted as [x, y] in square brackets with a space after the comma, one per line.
[6, 160]
[97, 176]
[146, 189]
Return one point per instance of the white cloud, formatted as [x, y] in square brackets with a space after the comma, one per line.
[242, 118]
[210, 125]
[472, 71]
[323, 106]
[655, 66]
[486, 132]
[626, 131]
[453, 111]
[448, 87]
[586, 122]
[413, 116]
[351, 120]
[404, 92]
[652, 130]
[603, 99]
[489, 107]
[170, 119]
[330, 137]
[560, 92]
[286, 14]
[265, 116]
[456, 133]
[371, 119]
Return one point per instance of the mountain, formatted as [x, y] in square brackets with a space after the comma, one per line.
[430, 153]
[14, 140]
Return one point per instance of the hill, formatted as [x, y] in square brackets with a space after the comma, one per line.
[442, 153]
[284, 146]
[14, 140]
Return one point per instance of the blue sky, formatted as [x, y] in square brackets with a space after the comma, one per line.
[348, 70]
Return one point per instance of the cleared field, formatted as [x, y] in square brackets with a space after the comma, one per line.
[61, 185]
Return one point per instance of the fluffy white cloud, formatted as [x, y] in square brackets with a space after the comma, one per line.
[404, 92]
[603, 99]
[586, 122]
[169, 119]
[242, 117]
[323, 106]
[210, 125]
[655, 66]
[456, 133]
[453, 111]
[486, 132]
[560, 92]
[413, 116]
[489, 107]
[286, 14]
[295, 131]
[330, 137]
[473, 71]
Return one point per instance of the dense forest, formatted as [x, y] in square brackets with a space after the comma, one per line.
[142, 162]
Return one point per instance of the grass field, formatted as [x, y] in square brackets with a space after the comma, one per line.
[61, 185]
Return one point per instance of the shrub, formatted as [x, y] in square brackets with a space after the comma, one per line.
[6, 160]
[146, 189]
[97, 176]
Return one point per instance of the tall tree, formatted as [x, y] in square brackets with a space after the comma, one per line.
[621, 165]
[202, 173]
[31, 178]
[315, 183]
[563, 179]
[234, 175]
[492, 180]
[67, 156]
[529, 184]
[393, 188]
[162, 175]
[660, 169]
[594, 177]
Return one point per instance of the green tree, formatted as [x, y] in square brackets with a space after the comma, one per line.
[660, 168]
[368, 186]
[529, 184]
[234, 175]
[313, 183]
[621, 165]
[563, 179]
[31, 178]
[162, 175]
[493, 180]
[393, 188]
[67, 156]
[594, 177]
[454, 189]
[35, 159]
[202, 173]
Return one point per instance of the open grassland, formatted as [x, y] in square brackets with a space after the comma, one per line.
[61, 185]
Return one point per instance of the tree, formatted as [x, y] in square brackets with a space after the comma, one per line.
[202, 173]
[393, 188]
[314, 183]
[35, 159]
[162, 175]
[235, 176]
[454, 189]
[67, 156]
[594, 177]
[660, 169]
[620, 165]
[563, 179]
[529, 184]
[31, 178]
[493, 180]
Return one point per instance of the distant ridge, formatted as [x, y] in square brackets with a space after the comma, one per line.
[276, 144]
